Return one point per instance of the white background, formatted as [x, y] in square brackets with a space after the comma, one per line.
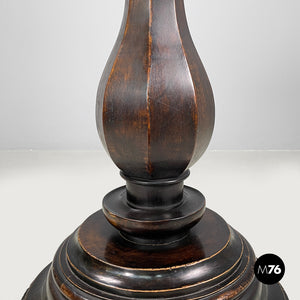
[52, 54]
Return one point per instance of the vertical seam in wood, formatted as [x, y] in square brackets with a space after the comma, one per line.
[113, 67]
[187, 63]
[148, 162]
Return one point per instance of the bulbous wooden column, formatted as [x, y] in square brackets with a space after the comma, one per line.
[154, 239]
[155, 108]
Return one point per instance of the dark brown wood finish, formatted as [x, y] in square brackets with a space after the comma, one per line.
[96, 262]
[154, 238]
[155, 112]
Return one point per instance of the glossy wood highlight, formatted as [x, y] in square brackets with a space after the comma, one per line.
[154, 238]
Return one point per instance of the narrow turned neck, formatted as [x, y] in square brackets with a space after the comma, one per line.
[149, 11]
[155, 194]
[154, 212]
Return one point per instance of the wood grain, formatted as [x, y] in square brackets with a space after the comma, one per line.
[155, 112]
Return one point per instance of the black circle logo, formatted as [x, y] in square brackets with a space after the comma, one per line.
[269, 269]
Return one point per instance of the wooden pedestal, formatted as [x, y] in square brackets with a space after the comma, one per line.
[154, 239]
[213, 261]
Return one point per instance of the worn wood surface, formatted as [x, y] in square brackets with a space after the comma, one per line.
[155, 117]
[155, 108]
[96, 262]
[154, 239]
[156, 224]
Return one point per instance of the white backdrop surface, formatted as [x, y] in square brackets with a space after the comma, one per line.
[52, 54]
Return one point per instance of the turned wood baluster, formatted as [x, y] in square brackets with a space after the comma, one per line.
[155, 117]
[155, 114]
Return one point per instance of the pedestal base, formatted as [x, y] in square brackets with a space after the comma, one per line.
[212, 262]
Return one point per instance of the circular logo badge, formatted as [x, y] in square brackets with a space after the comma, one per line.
[269, 269]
